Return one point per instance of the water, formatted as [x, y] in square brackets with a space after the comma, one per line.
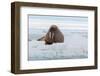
[75, 45]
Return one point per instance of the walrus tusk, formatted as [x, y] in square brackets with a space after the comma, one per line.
[50, 35]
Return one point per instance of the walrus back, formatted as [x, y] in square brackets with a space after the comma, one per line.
[59, 37]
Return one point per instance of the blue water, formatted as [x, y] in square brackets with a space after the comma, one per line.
[63, 19]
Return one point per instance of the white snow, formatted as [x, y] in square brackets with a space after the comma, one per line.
[74, 47]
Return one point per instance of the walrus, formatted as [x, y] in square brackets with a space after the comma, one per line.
[54, 35]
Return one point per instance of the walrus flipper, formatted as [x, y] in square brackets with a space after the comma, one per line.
[41, 39]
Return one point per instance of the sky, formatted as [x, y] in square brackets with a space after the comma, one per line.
[63, 22]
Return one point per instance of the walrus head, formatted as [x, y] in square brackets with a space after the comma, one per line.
[50, 35]
[53, 28]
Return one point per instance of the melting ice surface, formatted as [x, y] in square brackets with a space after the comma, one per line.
[75, 45]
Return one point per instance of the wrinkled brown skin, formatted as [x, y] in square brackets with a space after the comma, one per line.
[54, 35]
